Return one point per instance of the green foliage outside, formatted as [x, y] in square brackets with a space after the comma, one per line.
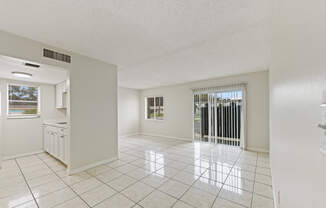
[17, 92]
[30, 111]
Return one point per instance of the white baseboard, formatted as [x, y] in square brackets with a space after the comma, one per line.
[130, 134]
[86, 167]
[164, 136]
[253, 149]
[275, 195]
[22, 155]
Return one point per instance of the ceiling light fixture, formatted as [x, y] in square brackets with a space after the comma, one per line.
[22, 74]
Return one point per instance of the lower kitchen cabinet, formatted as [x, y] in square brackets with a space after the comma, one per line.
[56, 142]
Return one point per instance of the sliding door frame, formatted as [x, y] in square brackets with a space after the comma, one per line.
[237, 87]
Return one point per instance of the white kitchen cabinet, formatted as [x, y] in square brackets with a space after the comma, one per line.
[61, 94]
[55, 142]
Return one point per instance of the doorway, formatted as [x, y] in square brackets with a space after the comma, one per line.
[219, 115]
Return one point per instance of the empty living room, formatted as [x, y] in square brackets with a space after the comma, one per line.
[162, 104]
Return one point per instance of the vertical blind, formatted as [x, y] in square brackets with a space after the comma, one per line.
[218, 114]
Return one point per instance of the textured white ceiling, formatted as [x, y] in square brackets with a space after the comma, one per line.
[43, 74]
[153, 42]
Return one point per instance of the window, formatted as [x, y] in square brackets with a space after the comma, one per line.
[23, 100]
[154, 108]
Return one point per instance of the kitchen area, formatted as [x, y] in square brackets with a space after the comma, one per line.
[56, 131]
[35, 100]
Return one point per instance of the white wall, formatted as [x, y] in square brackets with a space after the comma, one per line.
[93, 100]
[24, 135]
[297, 81]
[178, 108]
[129, 106]
[1, 131]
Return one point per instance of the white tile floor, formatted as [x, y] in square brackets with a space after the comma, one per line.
[151, 172]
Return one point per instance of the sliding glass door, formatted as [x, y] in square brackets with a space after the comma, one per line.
[219, 116]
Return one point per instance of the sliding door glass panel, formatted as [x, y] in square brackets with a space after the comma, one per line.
[217, 117]
[150, 108]
[159, 108]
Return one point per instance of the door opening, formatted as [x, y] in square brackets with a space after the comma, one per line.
[218, 116]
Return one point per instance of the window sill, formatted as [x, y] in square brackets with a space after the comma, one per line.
[146, 119]
[23, 117]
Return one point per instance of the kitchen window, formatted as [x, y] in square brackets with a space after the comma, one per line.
[23, 100]
[154, 108]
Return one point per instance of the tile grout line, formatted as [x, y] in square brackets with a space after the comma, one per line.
[226, 179]
[239, 156]
[191, 186]
[124, 174]
[253, 189]
[154, 188]
[157, 189]
[136, 157]
[65, 187]
[229, 174]
[30, 190]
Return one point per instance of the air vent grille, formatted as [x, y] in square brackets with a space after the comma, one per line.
[32, 65]
[57, 56]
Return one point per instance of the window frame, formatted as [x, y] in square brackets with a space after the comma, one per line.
[38, 114]
[154, 118]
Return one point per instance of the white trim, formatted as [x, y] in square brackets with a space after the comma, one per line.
[130, 134]
[86, 167]
[22, 155]
[254, 149]
[22, 116]
[38, 100]
[275, 196]
[145, 105]
[169, 137]
[244, 123]
[222, 88]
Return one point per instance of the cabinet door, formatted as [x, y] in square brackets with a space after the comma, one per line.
[51, 145]
[46, 139]
[62, 155]
[58, 95]
[56, 145]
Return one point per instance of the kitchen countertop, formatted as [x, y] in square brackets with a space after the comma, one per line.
[56, 123]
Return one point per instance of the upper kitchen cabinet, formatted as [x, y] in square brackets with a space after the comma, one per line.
[61, 94]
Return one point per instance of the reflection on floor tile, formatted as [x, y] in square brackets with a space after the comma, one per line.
[76, 202]
[264, 190]
[198, 198]
[117, 201]
[262, 202]
[236, 195]
[56, 198]
[97, 195]
[181, 204]
[121, 182]
[158, 199]
[151, 172]
[174, 188]
[221, 203]
[137, 191]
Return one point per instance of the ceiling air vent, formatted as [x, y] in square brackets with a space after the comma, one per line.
[57, 56]
[32, 65]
